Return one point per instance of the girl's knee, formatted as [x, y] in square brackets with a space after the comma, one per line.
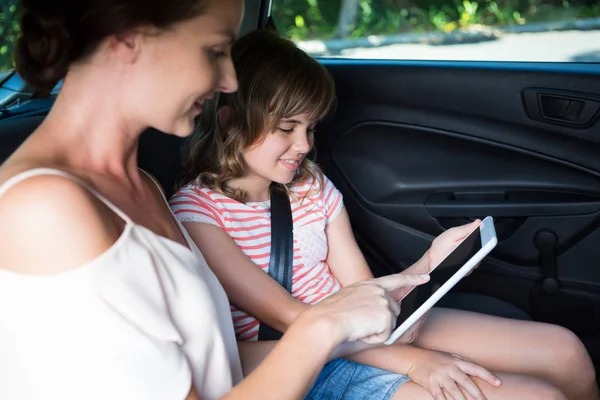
[568, 350]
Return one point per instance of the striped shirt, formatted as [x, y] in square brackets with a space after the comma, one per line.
[249, 225]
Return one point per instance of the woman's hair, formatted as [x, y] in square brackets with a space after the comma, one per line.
[277, 80]
[56, 33]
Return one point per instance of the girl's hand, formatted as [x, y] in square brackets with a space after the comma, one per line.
[443, 372]
[444, 243]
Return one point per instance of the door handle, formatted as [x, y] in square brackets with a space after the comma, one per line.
[561, 106]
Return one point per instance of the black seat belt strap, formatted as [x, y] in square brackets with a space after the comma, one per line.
[282, 247]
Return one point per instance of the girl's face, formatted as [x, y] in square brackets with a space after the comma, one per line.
[279, 155]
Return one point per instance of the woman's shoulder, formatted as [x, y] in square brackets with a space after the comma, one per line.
[45, 215]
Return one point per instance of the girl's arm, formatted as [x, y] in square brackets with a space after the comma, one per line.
[249, 288]
[246, 285]
[426, 368]
[348, 264]
[345, 259]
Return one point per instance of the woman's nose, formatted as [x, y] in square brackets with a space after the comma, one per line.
[229, 81]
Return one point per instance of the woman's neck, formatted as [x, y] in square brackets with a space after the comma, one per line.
[88, 126]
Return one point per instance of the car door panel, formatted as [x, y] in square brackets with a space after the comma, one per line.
[418, 147]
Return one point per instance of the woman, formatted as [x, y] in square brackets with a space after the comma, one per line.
[102, 294]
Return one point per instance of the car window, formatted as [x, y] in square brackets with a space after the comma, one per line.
[9, 32]
[485, 30]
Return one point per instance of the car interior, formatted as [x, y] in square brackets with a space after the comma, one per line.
[417, 147]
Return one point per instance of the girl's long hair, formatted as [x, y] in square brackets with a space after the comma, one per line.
[277, 80]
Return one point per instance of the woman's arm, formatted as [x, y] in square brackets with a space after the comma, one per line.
[289, 370]
[363, 311]
[253, 353]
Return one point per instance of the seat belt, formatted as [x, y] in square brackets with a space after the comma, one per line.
[282, 247]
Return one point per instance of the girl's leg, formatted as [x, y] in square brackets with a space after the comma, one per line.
[514, 387]
[546, 351]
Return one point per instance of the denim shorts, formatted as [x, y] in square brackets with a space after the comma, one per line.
[341, 379]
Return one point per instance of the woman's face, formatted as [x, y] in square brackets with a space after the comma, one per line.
[177, 70]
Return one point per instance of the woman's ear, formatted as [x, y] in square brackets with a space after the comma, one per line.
[127, 46]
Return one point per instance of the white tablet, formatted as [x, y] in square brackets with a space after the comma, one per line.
[455, 266]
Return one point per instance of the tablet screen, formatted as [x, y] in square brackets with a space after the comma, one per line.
[444, 271]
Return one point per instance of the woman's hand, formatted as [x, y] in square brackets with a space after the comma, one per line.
[443, 372]
[444, 243]
[366, 310]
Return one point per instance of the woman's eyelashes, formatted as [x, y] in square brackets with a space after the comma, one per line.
[218, 52]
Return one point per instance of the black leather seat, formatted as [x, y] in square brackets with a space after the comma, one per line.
[160, 155]
[482, 304]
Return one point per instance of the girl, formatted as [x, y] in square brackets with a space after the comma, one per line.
[103, 295]
[260, 136]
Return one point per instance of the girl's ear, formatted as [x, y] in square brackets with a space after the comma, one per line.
[223, 114]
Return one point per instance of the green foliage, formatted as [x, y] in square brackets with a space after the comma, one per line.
[9, 32]
[318, 19]
[301, 19]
